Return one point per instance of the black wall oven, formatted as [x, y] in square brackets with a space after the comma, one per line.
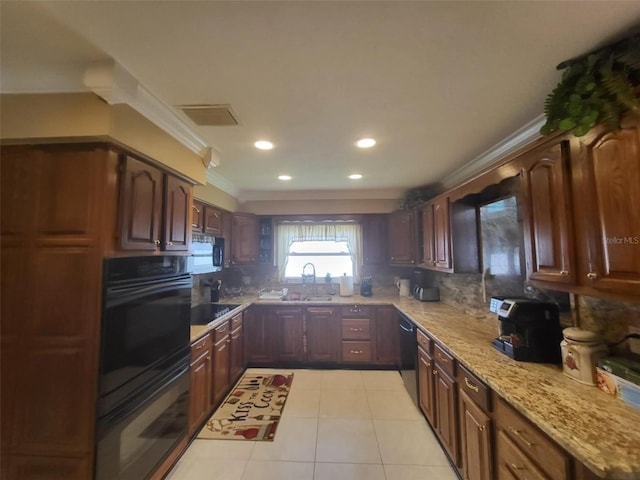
[144, 364]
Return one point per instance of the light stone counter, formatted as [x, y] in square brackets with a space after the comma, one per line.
[600, 431]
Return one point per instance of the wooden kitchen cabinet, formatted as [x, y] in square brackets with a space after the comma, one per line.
[436, 227]
[244, 239]
[260, 336]
[403, 238]
[429, 240]
[156, 208]
[289, 336]
[374, 240]
[322, 335]
[523, 451]
[200, 377]
[446, 401]
[212, 221]
[197, 217]
[426, 386]
[475, 440]
[548, 229]
[236, 349]
[386, 336]
[607, 195]
[356, 334]
[221, 362]
[177, 214]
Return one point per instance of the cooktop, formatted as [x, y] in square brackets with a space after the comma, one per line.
[208, 312]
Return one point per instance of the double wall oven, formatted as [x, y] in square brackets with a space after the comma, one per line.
[142, 410]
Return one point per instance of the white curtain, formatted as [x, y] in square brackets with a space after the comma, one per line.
[287, 233]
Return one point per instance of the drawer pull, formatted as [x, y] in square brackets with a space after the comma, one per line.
[435, 372]
[442, 358]
[470, 385]
[517, 467]
[199, 347]
[481, 428]
[428, 364]
[518, 434]
[355, 329]
[356, 352]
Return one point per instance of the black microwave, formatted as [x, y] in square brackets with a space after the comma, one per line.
[206, 254]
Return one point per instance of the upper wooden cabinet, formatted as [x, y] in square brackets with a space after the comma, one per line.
[607, 196]
[436, 228]
[206, 219]
[147, 192]
[548, 231]
[374, 239]
[197, 216]
[403, 235]
[244, 239]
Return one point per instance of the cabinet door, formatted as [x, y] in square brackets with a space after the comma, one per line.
[609, 213]
[199, 391]
[403, 237]
[426, 386]
[141, 204]
[374, 240]
[212, 223]
[547, 222]
[442, 236]
[429, 245]
[220, 369]
[197, 217]
[386, 336]
[244, 238]
[446, 412]
[289, 339]
[260, 336]
[322, 337]
[236, 355]
[475, 440]
[177, 215]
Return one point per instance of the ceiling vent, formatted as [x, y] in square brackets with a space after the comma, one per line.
[210, 115]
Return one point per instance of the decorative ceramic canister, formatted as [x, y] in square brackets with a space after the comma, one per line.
[581, 350]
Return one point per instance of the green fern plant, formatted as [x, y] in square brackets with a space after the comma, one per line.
[600, 87]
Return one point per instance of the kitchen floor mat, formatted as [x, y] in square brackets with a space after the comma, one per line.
[252, 410]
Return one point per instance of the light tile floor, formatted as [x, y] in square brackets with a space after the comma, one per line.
[337, 425]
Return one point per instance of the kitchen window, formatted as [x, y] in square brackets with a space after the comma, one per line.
[332, 247]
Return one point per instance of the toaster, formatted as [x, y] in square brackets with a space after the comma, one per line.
[427, 294]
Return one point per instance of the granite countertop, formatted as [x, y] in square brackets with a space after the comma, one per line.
[600, 431]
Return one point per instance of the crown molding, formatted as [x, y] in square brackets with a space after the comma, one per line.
[294, 195]
[221, 182]
[518, 139]
[112, 82]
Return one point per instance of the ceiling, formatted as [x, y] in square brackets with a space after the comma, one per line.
[435, 83]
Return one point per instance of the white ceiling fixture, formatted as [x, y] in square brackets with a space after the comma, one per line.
[365, 142]
[355, 176]
[263, 145]
[284, 177]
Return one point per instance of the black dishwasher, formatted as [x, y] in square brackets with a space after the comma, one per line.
[409, 357]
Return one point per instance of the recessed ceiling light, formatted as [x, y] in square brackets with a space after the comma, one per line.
[365, 142]
[355, 176]
[263, 145]
[284, 177]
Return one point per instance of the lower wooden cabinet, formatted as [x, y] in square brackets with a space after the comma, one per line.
[523, 451]
[221, 363]
[260, 336]
[386, 336]
[321, 328]
[446, 411]
[426, 386]
[289, 336]
[475, 440]
[236, 350]
[200, 377]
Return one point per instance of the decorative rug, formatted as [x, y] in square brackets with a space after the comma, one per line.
[252, 410]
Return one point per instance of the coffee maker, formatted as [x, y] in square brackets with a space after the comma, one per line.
[529, 331]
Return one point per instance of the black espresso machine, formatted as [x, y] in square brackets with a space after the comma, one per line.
[530, 331]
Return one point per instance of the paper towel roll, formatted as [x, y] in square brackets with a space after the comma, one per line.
[346, 286]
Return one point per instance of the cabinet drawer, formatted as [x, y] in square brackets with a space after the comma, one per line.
[236, 322]
[531, 441]
[221, 332]
[199, 347]
[355, 329]
[358, 352]
[473, 387]
[444, 360]
[513, 463]
[424, 341]
[349, 311]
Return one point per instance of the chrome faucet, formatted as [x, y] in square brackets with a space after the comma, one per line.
[313, 274]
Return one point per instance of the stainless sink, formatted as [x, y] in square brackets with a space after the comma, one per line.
[318, 298]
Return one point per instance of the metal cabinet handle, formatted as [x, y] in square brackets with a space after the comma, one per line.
[471, 385]
[435, 372]
[195, 208]
[564, 273]
[481, 428]
[355, 329]
[169, 243]
[441, 358]
[592, 275]
[518, 434]
[356, 352]
[157, 242]
[516, 467]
